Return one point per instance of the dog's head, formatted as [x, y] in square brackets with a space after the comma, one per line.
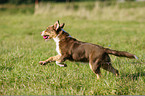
[52, 31]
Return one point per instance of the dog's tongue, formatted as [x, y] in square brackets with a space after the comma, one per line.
[45, 37]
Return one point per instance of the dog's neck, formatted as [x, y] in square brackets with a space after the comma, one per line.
[63, 34]
[56, 39]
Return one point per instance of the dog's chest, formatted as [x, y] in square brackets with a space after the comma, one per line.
[57, 45]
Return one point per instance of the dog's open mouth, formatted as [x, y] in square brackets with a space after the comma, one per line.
[46, 37]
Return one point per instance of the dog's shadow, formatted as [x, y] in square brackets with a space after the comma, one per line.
[133, 76]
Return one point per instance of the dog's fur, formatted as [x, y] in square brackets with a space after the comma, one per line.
[69, 48]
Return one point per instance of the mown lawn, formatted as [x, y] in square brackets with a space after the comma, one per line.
[22, 47]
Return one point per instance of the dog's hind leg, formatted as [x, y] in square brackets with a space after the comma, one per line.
[108, 66]
[95, 67]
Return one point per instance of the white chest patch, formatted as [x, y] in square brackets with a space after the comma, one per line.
[56, 39]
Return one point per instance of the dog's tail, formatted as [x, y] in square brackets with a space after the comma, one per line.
[120, 53]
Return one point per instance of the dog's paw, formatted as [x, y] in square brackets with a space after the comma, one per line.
[65, 65]
[62, 65]
[42, 62]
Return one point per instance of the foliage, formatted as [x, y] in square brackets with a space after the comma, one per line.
[18, 1]
[32, 1]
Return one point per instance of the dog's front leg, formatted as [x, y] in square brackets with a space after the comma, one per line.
[60, 62]
[50, 59]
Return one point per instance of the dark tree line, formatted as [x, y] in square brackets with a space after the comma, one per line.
[33, 1]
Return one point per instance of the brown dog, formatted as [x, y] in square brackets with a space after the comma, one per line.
[69, 48]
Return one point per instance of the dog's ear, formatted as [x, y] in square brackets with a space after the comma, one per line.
[62, 25]
[56, 25]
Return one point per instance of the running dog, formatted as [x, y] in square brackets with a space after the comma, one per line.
[69, 48]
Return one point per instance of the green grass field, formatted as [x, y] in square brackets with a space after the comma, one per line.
[22, 47]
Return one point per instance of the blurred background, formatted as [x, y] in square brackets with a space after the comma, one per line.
[88, 9]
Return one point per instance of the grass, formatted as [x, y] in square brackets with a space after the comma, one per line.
[22, 48]
[129, 11]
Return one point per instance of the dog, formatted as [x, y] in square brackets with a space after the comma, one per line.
[69, 48]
